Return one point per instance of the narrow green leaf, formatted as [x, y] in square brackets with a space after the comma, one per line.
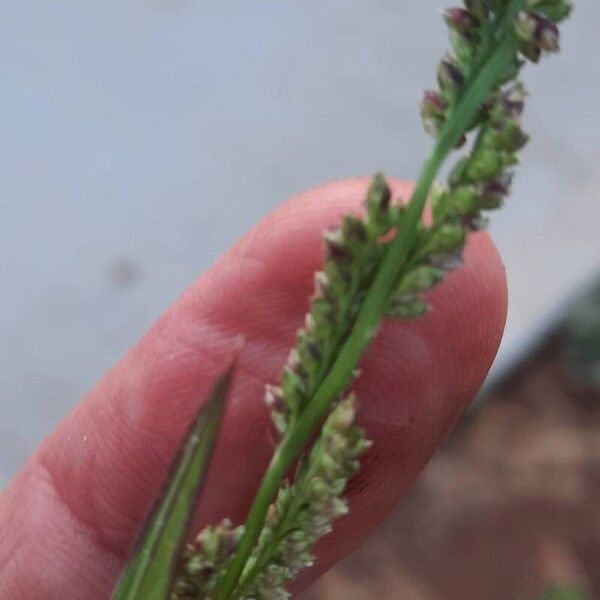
[150, 571]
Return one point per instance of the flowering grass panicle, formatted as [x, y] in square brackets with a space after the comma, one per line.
[378, 265]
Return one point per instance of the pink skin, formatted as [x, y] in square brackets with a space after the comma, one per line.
[70, 516]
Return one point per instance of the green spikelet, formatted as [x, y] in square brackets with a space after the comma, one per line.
[305, 511]
[353, 252]
[203, 561]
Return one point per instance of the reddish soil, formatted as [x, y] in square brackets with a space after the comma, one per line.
[512, 502]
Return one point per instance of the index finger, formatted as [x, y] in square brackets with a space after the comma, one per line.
[73, 512]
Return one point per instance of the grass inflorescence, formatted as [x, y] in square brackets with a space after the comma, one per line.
[378, 266]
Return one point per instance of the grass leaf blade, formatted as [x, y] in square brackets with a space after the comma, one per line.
[149, 573]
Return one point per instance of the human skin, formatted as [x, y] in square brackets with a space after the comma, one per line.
[69, 518]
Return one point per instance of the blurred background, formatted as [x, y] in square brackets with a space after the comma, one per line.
[139, 139]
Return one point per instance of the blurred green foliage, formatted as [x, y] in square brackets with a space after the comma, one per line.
[557, 592]
[581, 352]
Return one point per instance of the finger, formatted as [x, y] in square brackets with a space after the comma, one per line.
[71, 515]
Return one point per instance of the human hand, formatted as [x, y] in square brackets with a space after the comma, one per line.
[69, 518]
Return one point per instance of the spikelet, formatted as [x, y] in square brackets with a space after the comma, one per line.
[353, 253]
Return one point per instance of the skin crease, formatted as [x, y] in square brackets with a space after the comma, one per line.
[69, 518]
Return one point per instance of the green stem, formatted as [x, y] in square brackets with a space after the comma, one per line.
[374, 305]
[284, 526]
[268, 551]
